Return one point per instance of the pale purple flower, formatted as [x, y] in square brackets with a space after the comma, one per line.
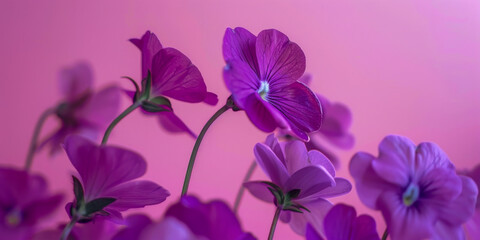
[416, 188]
[24, 202]
[172, 75]
[82, 110]
[473, 225]
[188, 219]
[261, 72]
[292, 168]
[110, 172]
[342, 223]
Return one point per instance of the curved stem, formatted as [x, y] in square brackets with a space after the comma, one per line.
[188, 174]
[36, 133]
[247, 177]
[117, 120]
[69, 227]
[274, 223]
[385, 234]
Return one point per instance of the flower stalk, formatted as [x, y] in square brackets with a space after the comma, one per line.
[274, 223]
[36, 133]
[69, 227]
[112, 125]
[247, 177]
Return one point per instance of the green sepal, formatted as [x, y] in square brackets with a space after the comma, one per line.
[292, 194]
[161, 101]
[97, 205]
[78, 191]
[153, 107]
[137, 88]
[146, 86]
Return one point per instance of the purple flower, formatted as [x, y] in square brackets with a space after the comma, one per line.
[82, 111]
[107, 173]
[342, 223]
[473, 225]
[188, 219]
[97, 229]
[172, 75]
[307, 178]
[416, 188]
[262, 73]
[24, 201]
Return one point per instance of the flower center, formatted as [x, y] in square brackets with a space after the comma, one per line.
[13, 218]
[263, 90]
[411, 194]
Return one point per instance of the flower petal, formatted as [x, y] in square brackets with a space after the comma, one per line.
[173, 123]
[430, 155]
[211, 99]
[309, 180]
[314, 144]
[136, 194]
[239, 44]
[75, 80]
[342, 186]
[339, 221]
[149, 45]
[260, 190]
[318, 209]
[276, 147]
[365, 228]
[41, 208]
[280, 61]
[240, 80]
[296, 156]
[135, 225]
[270, 164]
[263, 115]
[311, 234]
[317, 158]
[169, 228]
[101, 108]
[300, 107]
[445, 231]
[174, 75]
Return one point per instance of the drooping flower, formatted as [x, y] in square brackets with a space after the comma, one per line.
[172, 75]
[261, 72]
[24, 201]
[416, 188]
[188, 219]
[342, 223]
[108, 184]
[82, 110]
[307, 178]
[473, 225]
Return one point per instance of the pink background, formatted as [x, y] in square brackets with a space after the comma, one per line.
[405, 67]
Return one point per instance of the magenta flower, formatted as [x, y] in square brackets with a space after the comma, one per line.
[416, 188]
[24, 202]
[262, 73]
[307, 178]
[473, 225]
[342, 223]
[97, 229]
[82, 111]
[188, 219]
[107, 185]
[172, 75]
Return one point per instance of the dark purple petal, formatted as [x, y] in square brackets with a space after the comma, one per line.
[270, 164]
[135, 225]
[104, 167]
[364, 228]
[339, 222]
[300, 107]
[173, 123]
[396, 160]
[260, 190]
[280, 61]
[101, 108]
[136, 194]
[149, 45]
[76, 80]
[224, 223]
[174, 75]
[311, 234]
[239, 44]
[309, 180]
[240, 80]
[211, 99]
[192, 213]
[263, 115]
[296, 156]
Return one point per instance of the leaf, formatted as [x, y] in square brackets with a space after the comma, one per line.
[78, 190]
[98, 204]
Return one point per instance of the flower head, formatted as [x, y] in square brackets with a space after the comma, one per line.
[82, 111]
[188, 219]
[107, 184]
[262, 73]
[24, 201]
[172, 75]
[416, 188]
[306, 178]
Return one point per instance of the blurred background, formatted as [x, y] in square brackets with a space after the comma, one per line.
[407, 67]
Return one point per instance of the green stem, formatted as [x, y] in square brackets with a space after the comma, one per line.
[127, 111]
[247, 177]
[69, 227]
[274, 223]
[188, 174]
[36, 133]
[385, 234]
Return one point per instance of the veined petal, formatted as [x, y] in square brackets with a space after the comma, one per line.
[280, 61]
[240, 80]
[239, 44]
[174, 75]
[149, 45]
[429, 156]
[136, 194]
[173, 123]
[270, 164]
[263, 115]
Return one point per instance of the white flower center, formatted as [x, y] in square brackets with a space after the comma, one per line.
[263, 90]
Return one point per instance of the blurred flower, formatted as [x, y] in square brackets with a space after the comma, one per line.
[96, 229]
[188, 219]
[24, 201]
[342, 223]
[473, 225]
[82, 111]
[416, 188]
[261, 73]
[106, 186]
[305, 177]
[172, 75]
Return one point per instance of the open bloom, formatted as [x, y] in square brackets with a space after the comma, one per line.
[307, 174]
[416, 188]
[473, 225]
[188, 219]
[108, 172]
[24, 201]
[262, 73]
[82, 111]
[172, 75]
[342, 223]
